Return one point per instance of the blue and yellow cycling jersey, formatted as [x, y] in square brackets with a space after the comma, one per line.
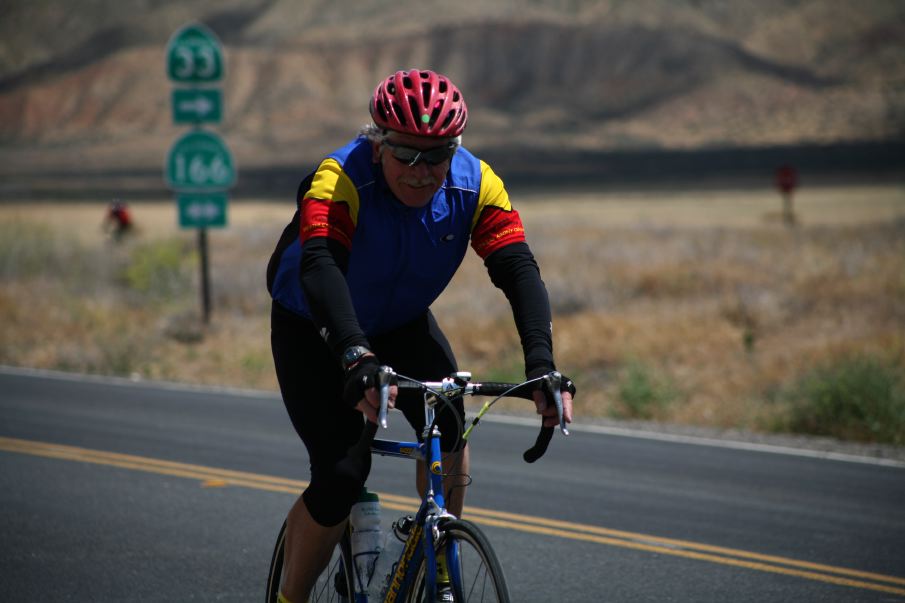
[400, 258]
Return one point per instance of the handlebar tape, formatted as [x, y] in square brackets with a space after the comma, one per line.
[526, 391]
[540, 445]
[490, 388]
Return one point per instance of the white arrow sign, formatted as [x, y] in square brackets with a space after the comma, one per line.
[202, 210]
[207, 211]
[199, 106]
[196, 106]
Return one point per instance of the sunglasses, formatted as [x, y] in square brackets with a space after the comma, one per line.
[412, 156]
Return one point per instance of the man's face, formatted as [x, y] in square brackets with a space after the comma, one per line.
[413, 185]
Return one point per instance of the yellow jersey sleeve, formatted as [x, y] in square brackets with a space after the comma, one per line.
[332, 184]
[492, 193]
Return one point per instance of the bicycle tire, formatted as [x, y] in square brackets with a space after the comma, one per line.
[334, 583]
[479, 577]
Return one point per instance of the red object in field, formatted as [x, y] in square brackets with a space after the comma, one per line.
[120, 214]
[118, 220]
[786, 178]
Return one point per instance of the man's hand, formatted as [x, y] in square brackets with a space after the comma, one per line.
[370, 404]
[360, 388]
[547, 409]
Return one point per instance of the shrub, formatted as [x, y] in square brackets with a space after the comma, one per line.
[29, 248]
[856, 397]
[159, 270]
[643, 393]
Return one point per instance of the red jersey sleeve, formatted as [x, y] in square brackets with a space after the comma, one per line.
[329, 219]
[496, 228]
[495, 223]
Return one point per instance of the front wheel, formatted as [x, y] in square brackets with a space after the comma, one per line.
[333, 584]
[474, 571]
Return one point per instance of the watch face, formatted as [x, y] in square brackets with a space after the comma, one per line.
[353, 354]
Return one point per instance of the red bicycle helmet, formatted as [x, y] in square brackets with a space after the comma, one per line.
[419, 102]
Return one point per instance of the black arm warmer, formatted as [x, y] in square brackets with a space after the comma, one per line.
[512, 268]
[323, 264]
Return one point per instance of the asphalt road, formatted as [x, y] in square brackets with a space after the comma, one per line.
[112, 491]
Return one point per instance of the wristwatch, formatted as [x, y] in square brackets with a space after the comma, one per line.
[352, 355]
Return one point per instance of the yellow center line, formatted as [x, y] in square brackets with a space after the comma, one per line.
[489, 517]
[679, 544]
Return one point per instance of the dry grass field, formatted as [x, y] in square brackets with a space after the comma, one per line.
[689, 307]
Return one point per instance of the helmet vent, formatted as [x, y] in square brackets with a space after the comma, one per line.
[448, 120]
[407, 83]
[400, 115]
[413, 106]
[435, 114]
[381, 110]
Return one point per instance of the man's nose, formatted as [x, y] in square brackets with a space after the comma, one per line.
[421, 169]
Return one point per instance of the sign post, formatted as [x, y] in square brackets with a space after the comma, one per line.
[199, 167]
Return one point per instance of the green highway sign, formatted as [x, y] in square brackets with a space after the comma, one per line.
[197, 105]
[194, 55]
[202, 210]
[200, 162]
[199, 166]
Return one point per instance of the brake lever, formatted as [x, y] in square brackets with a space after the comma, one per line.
[385, 377]
[553, 381]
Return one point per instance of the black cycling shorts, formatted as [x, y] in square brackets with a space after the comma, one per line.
[311, 383]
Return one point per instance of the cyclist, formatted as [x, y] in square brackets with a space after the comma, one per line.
[381, 227]
[117, 221]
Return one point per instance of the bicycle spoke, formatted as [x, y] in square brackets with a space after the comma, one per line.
[474, 570]
[332, 585]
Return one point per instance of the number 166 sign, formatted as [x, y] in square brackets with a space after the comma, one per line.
[200, 161]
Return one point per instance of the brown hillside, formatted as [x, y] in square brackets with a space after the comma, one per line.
[648, 74]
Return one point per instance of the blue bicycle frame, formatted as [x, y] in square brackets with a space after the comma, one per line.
[431, 511]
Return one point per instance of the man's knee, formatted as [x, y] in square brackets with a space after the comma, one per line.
[330, 500]
[335, 488]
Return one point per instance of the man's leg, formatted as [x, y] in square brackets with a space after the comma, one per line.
[307, 550]
[311, 385]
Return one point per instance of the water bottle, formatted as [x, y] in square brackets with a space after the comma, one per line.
[393, 545]
[366, 537]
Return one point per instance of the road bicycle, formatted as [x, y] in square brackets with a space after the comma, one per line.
[433, 534]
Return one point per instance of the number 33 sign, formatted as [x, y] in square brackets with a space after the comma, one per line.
[194, 55]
